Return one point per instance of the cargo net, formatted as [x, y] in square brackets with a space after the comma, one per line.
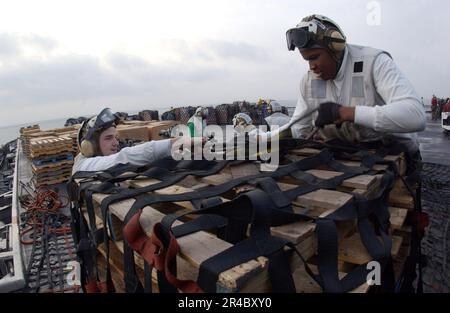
[312, 225]
[436, 244]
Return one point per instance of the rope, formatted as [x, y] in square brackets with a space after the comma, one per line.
[45, 203]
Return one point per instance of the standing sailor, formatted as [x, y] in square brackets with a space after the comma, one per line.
[276, 117]
[359, 88]
[197, 122]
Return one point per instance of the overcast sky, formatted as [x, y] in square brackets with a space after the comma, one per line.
[70, 58]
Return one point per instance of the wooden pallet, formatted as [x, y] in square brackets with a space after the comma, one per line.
[398, 159]
[47, 181]
[139, 132]
[252, 276]
[29, 129]
[31, 135]
[55, 166]
[52, 159]
[143, 130]
[64, 167]
[55, 173]
[50, 140]
[51, 155]
[156, 127]
[25, 134]
[401, 206]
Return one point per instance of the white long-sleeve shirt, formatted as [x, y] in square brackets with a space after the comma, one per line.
[137, 155]
[402, 116]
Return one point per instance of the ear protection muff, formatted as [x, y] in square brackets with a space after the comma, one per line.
[326, 31]
[87, 148]
[335, 40]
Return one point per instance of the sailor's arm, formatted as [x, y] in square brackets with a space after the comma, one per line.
[403, 112]
[137, 155]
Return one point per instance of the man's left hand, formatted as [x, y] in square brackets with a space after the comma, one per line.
[328, 114]
[333, 113]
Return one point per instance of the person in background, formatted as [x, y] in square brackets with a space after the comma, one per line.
[434, 106]
[276, 116]
[446, 107]
[197, 122]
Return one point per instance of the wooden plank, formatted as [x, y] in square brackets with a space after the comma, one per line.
[303, 230]
[174, 189]
[324, 199]
[243, 170]
[305, 284]
[217, 179]
[134, 133]
[194, 248]
[398, 159]
[305, 151]
[197, 247]
[53, 165]
[154, 129]
[261, 282]
[360, 181]
[398, 217]
[248, 276]
[363, 182]
[294, 232]
[329, 200]
[353, 251]
[116, 276]
[401, 199]
[377, 167]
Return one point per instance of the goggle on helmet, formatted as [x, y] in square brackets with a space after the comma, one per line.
[316, 30]
[105, 119]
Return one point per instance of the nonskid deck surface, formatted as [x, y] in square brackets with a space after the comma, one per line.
[48, 247]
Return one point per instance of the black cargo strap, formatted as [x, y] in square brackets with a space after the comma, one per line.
[109, 177]
[284, 203]
[251, 208]
[239, 226]
[115, 175]
[280, 199]
[245, 251]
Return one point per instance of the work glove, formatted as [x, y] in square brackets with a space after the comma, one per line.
[328, 114]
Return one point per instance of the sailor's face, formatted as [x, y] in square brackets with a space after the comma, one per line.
[109, 141]
[320, 63]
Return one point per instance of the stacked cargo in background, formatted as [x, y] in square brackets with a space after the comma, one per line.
[51, 153]
[223, 114]
[143, 130]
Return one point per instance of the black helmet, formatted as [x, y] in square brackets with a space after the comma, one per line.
[93, 125]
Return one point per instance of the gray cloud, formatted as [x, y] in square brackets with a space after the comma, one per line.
[39, 42]
[140, 70]
[74, 79]
[220, 50]
[246, 58]
[13, 45]
[8, 45]
[57, 79]
[237, 50]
